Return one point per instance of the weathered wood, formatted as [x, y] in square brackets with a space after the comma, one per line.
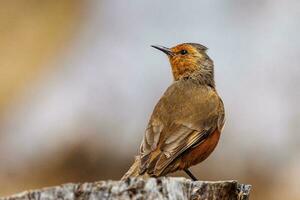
[138, 188]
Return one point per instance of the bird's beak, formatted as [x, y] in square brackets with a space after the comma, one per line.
[163, 49]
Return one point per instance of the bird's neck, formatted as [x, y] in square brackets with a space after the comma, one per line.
[204, 75]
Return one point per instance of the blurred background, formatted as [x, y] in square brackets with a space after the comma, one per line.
[79, 80]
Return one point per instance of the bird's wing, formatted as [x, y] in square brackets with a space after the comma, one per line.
[156, 160]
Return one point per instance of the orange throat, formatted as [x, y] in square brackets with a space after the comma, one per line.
[182, 69]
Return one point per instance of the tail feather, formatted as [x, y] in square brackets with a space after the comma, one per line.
[134, 170]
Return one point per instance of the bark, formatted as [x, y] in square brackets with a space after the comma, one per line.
[138, 188]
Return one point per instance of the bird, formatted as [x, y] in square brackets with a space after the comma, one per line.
[188, 119]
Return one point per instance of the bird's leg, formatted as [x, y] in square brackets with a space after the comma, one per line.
[187, 171]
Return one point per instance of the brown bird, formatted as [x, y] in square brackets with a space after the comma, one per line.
[187, 121]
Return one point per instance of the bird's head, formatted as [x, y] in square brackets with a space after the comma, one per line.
[188, 59]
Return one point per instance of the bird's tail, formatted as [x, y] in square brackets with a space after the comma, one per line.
[134, 170]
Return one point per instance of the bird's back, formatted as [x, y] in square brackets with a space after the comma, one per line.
[187, 101]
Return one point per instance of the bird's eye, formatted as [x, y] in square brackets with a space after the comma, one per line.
[183, 52]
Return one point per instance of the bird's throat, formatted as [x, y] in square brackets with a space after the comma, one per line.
[183, 71]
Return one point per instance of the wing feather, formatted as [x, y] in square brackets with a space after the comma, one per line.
[172, 151]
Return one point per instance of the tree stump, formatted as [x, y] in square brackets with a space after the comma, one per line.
[139, 188]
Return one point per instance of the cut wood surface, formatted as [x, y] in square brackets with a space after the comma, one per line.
[138, 188]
